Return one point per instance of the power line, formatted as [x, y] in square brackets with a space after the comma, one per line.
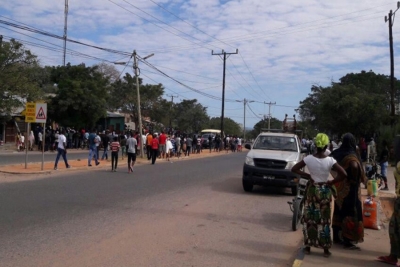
[240, 54]
[26, 28]
[199, 44]
[175, 80]
[191, 24]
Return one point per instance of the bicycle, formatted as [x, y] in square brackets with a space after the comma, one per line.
[372, 171]
[297, 204]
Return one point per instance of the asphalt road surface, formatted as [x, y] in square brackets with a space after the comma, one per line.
[7, 158]
[185, 213]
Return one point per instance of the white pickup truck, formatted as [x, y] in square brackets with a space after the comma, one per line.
[270, 159]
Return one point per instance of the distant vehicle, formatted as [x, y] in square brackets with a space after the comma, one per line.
[270, 159]
[210, 131]
[205, 134]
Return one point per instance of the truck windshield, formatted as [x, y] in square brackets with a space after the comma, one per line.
[275, 143]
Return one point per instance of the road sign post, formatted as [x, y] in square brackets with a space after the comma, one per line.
[36, 112]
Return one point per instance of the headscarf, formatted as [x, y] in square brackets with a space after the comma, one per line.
[348, 147]
[321, 140]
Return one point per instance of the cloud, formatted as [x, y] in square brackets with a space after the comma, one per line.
[284, 46]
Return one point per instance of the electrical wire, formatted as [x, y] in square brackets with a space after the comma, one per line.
[191, 24]
[30, 29]
[184, 85]
[143, 18]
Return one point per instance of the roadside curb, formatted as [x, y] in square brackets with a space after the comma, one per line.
[14, 168]
[298, 261]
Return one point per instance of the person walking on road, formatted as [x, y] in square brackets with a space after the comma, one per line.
[154, 149]
[31, 140]
[394, 225]
[162, 144]
[106, 143]
[114, 153]
[318, 197]
[92, 148]
[40, 144]
[189, 142]
[348, 228]
[62, 150]
[132, 148]
[149, 139]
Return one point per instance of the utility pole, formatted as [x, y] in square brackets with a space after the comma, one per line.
[269, 113]
[1, 40]
[170, 111]
[245, 101]
[390, 19]
[226, 55]
[65, 29]
[136, 68]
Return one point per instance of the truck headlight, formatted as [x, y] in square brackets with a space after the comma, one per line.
[290, 164]
[249, 161]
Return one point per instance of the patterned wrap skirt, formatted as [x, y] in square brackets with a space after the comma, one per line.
[317, 216]
[394, 229]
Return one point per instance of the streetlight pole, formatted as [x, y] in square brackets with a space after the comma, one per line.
[390, 19]
[136, 68]
[137, 72]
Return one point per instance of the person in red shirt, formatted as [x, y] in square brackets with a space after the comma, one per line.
[154, 148]
[162, 145]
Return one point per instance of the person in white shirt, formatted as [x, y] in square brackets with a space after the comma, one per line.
[97, 142]
[62, 150]
[319, 195]
[40, 138]
[132, 143]
[168, 148]
[22, 141]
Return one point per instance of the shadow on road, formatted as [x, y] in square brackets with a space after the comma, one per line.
[234, 186]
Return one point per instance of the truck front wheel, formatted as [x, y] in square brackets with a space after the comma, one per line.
[247, 186]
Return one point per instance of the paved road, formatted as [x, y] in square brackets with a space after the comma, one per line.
[7, 158]
[186, 213]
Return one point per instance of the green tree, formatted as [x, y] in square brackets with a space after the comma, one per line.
[18, 73]
[230, 126]
[190, 116]
[81, 97]
[123, 97]
[263, 124]
[346, 107]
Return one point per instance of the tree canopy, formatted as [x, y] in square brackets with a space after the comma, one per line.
[81, 96]
[359, 104]
[18, 77]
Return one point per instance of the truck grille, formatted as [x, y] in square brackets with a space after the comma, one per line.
[270, 164]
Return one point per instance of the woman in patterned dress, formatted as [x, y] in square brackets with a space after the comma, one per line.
[317, 214]
[394, 225]
[348, 227]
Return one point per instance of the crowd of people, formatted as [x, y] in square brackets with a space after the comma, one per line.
[161, 146]
[347, 220]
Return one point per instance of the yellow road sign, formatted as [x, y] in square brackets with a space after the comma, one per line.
[30, 112]
[36, 112]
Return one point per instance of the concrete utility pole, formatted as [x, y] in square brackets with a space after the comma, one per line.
[223, 86]
[65, 30]
[136, 68]
[269, 113]
[390, 19]
[172, 103]
[245, 101]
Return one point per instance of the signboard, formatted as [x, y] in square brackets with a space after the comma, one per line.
[36, 112]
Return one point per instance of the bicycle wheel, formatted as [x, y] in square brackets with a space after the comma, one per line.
[298, 207]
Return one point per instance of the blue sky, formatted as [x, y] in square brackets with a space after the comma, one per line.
[284, 46]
